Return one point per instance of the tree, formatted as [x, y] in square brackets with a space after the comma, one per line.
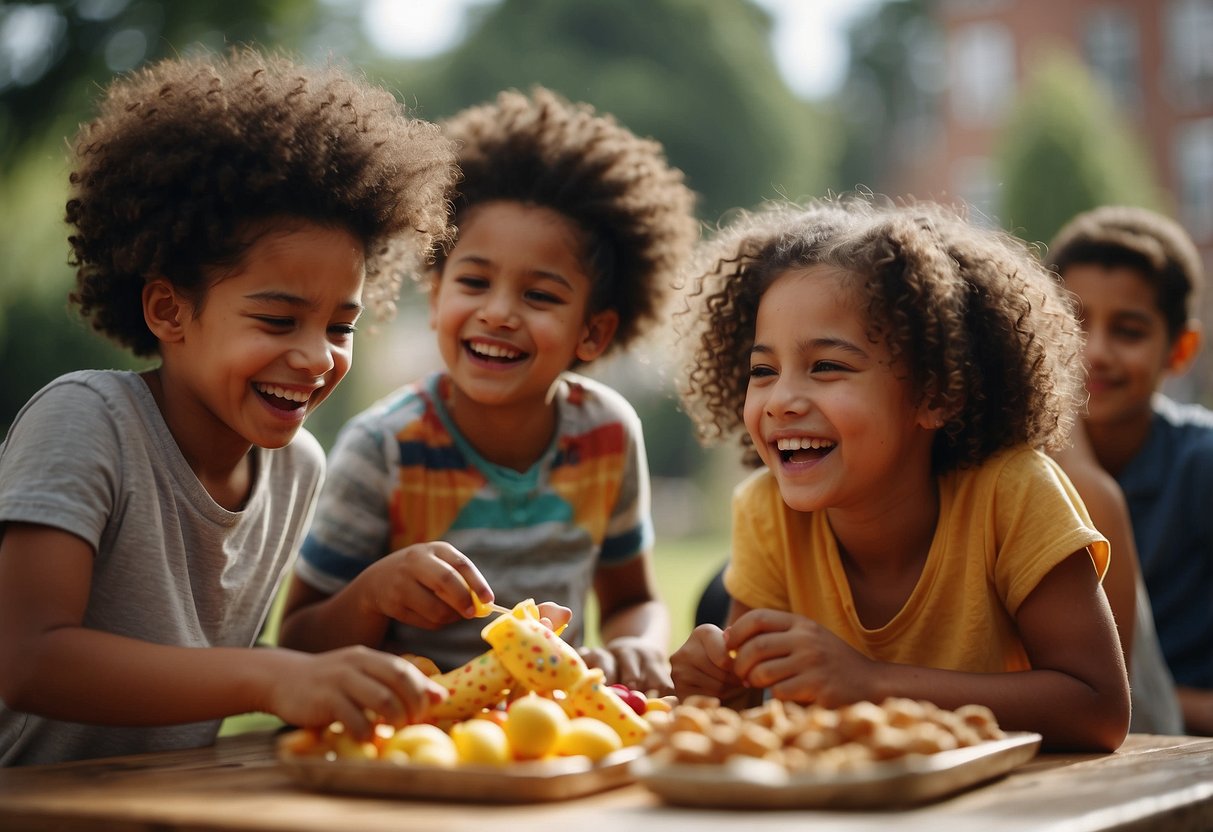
[698, 75]
[888, 102]
[54, 56]
[1064, 150]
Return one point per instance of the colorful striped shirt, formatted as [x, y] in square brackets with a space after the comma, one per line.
[401, 473]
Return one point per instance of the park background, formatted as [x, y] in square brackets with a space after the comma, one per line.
[1026, 111]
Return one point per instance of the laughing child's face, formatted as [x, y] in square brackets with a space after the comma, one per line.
[511, 305]
[271, 339]
[830, 414]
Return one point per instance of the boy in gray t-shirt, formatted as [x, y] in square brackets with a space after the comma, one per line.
[232, 215]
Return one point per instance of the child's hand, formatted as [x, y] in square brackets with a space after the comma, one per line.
[313, 690]
[634, 662]
[553, 615]
[424, 585]
[702, 665]
[797, 658]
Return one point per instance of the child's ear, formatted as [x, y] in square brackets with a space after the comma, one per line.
[597, 335]
[1185, 348]
[933, 416]
[163, 310]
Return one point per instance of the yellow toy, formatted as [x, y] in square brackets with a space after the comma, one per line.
[528, 656]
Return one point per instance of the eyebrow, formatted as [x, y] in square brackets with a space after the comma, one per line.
[477, 260]
[296, 300]
[810, 344]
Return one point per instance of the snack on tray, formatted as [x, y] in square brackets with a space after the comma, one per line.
[815, 738]
[528, 660]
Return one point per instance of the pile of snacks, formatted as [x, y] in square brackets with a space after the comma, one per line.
[814, 738]
[530, 697]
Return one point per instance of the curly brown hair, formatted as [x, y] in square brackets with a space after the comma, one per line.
[981, 329]
[191, 160]
[633, 208]
[1155, 246]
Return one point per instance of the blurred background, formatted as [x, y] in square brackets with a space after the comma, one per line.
[1026, 110]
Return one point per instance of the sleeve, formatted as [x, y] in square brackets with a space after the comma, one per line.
[61, 463]
[350, 527]
[629, 531]
[755, 574]
[1039, 521]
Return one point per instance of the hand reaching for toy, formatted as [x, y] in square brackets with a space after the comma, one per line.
[314, 690]
[703, 666]
[797, 658]
[424, 585]
[631, 661]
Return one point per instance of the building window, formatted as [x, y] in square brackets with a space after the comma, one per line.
[1111, 44]
[981, 72]
[1194, 175]
[1189, 48]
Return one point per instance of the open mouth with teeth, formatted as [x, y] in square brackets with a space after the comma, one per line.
[494, 353]
[803, 449]
[282, 398]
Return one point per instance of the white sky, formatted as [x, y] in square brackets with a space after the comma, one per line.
[809, 35]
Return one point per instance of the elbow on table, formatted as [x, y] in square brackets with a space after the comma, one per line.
[1101, 729]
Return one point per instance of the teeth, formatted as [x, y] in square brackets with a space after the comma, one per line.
[282, 393]
[493, 351]
[802, 443]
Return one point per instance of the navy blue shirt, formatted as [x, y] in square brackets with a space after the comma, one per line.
[1169, 488]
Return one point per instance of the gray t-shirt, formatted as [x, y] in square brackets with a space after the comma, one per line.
[91, 454]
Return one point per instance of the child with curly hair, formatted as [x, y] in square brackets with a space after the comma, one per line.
[232, 217]
[1136, 276]
[569, 229]
[898, 370]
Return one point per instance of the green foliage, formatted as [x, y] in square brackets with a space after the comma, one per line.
[73, 48]
[892, 81]
[698, 76]
[1065, 150]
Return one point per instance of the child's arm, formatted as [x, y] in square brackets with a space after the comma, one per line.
[425, 585]
[1197, 706]
[1076, 694]
[50, 664]
[634, 625]
[1109, 513]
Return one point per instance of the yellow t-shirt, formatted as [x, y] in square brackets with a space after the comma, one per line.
[1002, 527]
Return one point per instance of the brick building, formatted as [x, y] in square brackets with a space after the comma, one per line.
[1154, 57]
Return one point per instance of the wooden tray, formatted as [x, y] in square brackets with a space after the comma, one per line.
[530, 782]
[745, 782]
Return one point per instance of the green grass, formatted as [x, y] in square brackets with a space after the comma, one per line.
[683, 568]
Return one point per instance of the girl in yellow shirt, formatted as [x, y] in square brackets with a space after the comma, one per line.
[899, 373]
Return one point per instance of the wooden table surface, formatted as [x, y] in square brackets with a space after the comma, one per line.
[1152, 782]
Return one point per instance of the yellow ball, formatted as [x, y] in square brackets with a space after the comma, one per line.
[588, 736]
[424, 744]
[533, 724]
[480, 741]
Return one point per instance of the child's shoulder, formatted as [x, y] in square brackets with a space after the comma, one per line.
[81, 395]
[1186, 429]
[404, 405]
[1191, 416]
[1018, 467]
[594, 400]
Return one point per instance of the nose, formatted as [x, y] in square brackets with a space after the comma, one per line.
[498, 309]
[313, 355]
[786, 398]
[1095, 349]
